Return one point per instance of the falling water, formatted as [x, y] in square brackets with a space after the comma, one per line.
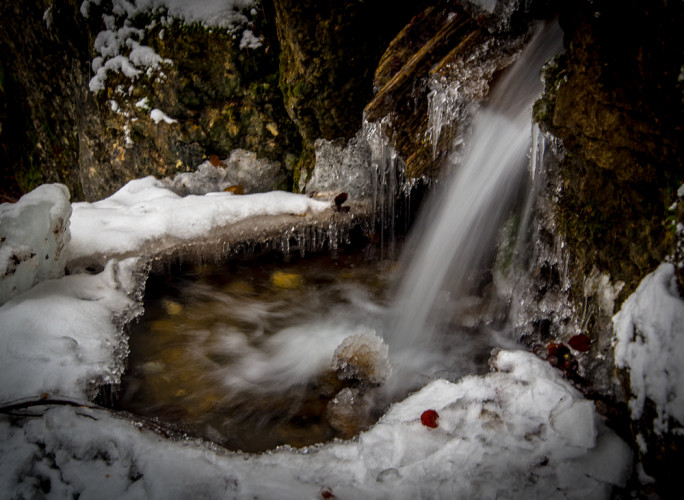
[459, 230]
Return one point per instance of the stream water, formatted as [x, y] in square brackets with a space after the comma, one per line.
[247, 354]
[291, 350]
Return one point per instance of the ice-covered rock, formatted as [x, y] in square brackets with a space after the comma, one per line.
[349, 411]
[241, 168]
[342, 167]
[33, 235]
[362, 358]
[146, 216]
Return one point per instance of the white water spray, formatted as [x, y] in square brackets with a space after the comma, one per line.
[460, 228]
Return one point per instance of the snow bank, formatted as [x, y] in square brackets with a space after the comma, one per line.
[33, 234]
[60, 338]
[649, 343]
[146, 211]
[521, 432]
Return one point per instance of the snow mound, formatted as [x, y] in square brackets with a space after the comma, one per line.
[649, 343]
[521, 432]
[33, 235]
[59, 338]
[145, 211]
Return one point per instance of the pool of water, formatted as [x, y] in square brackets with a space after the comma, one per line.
[269, 351]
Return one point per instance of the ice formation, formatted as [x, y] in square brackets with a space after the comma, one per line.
[363, 357]
[649, 343]
[342, 167]
[33, 235]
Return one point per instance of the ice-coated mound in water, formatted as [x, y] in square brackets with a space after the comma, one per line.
[363, 358]
[349, 412]
[34, 234]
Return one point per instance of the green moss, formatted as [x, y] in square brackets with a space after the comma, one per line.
[303, 167]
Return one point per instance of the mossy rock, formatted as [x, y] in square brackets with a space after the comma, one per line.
[613, 99]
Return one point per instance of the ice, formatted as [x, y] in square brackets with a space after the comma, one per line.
[364, 358]
[342, 167]
[486, 446]
[60, 338]
[242, 168]
[33, 235]
[145, 211]
[649, 343]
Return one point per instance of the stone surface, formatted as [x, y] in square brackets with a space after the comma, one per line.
[44, 72]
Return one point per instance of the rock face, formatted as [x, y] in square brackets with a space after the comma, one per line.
[420, 113]
[145, 92]
[615, 101]
[44, 73]
[209, 94]
[607, 213]
[328, 56]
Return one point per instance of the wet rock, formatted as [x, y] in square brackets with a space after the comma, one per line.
[441, 44]
[614, 99]
[328, 55]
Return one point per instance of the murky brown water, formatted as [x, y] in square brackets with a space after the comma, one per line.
[241, 353]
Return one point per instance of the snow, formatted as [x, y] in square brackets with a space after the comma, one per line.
[120, 46]
[158, 115]
[649, 343]
[33, 235]
[146, 211]
[519, 432]
[250, 41]
[58, 339]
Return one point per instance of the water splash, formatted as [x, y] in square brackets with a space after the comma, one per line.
[460, 227]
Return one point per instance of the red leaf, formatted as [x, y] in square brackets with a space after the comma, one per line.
[429, 418]
[326, 492]
[580, 343]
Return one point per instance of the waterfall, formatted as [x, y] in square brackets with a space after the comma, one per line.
[460, 225]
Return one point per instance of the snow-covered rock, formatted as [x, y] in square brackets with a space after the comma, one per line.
[33, 235]
[649, 344]
[61, 339]
[146, 216]
[242, 168]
